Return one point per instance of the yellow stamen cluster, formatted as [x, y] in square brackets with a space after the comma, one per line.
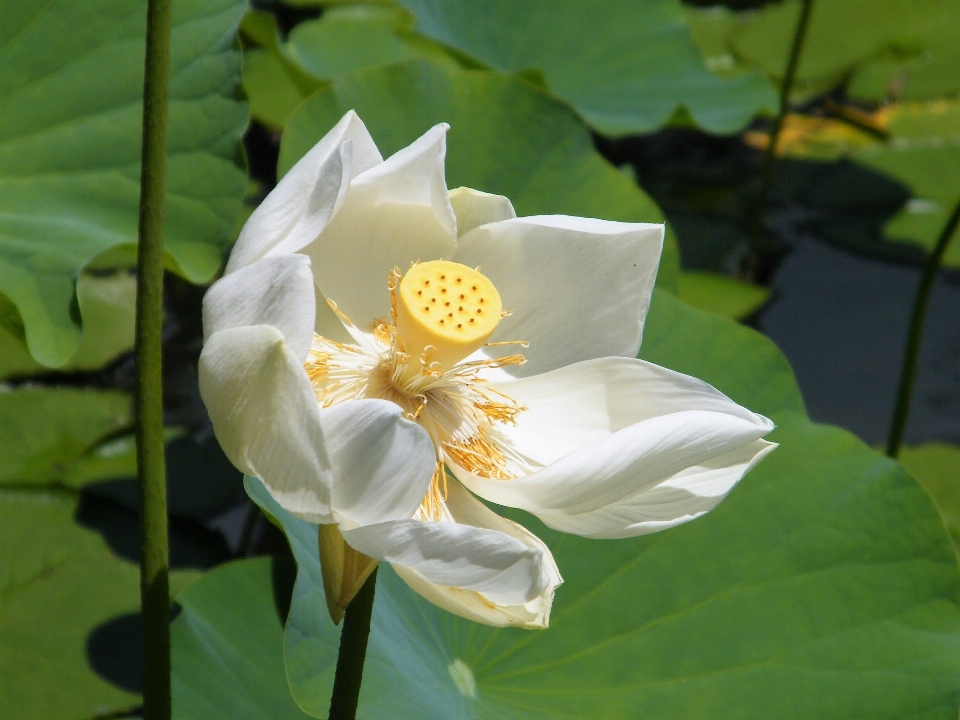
[441, 312]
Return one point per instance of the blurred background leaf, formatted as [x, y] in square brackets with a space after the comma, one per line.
[532, 149]
[70, 117]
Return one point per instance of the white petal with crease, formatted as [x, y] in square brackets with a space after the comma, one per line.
[684, 497]
[501, 567]
[266, 417]
[466, 509]
[393, 214]
[622, 465]
[275, 291]
[301, 204]
[578, 288]
[381, 463]
[582, 403]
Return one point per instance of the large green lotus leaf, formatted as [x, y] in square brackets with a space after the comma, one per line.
[107, 304]
[70, 112]
[505, 137]
[46, 433]
[936, 466]
[59, 586]
[824, 586]
[626, 66]
[887, 48]
[923, 153]
[227, 655]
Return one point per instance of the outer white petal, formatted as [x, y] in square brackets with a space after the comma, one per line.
[466, 509]
[578, 288]
[381, 463]
[474, 208]
[629, 447]
[585, 402]
[298, 208]
[684, 497]
[504, 569]
[266, 417]
[622, 465]
[393, 214]
[275, 291]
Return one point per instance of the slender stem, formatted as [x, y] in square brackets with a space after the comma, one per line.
[151, 470]
[909, 370]
[353, 651]
[766, 181]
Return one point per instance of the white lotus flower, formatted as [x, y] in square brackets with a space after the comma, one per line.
[333, 372]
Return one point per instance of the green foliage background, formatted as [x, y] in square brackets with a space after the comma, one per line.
[825, 586]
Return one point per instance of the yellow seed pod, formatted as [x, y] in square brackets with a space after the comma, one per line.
[447, 305]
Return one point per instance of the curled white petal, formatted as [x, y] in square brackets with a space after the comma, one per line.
[600, 438]
[585, 402]
[275, 291]
[466, 509]
[684, 497]
[304, 200]
[502, 568]
[577, 288]
[381, 463]
[266, 417]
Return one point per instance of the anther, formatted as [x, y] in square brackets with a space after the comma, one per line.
[419, 292]
[433, 299]
[464, 296]
[461, 280]
[443, 290]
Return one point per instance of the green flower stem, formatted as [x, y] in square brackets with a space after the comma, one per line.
[766, 179]
[908, 371]
[353, 651]
[151, 470]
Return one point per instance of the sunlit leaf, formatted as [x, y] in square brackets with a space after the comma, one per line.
[721, 294]
[824, 586]
[70, 115]
[882, 48]
[505, 137]
[923, 153]
[936, 466]
[814, 138]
